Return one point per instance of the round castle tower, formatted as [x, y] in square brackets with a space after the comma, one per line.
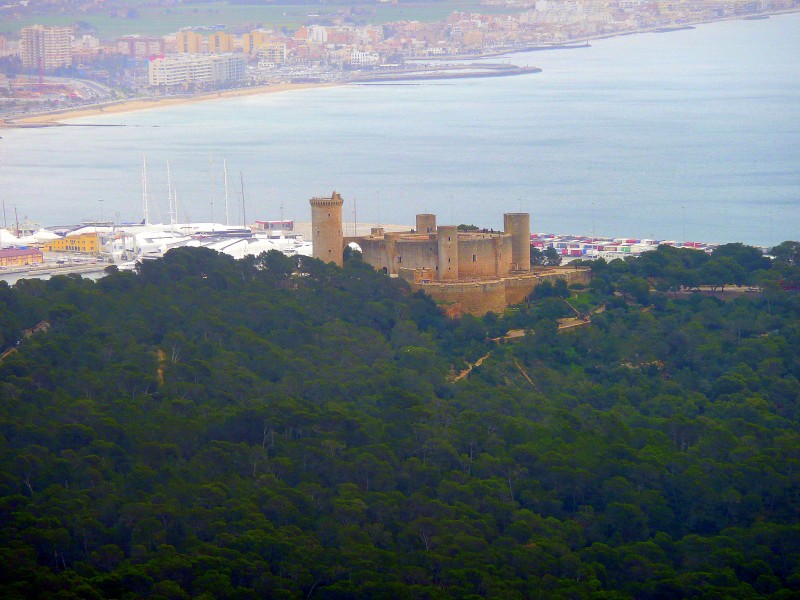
[519, 226]
[326, 229]
[448, 252]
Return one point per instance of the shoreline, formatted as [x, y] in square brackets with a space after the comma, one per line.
[57, 118]
[54, 119]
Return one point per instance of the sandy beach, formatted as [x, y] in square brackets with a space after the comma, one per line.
[124, 106]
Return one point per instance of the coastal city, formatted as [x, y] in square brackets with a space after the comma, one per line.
[47, 68]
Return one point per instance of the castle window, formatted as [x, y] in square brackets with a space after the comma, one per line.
[474, 258]
[399, 259]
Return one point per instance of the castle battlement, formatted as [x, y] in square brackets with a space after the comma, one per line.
[483, 270]
[326, 202]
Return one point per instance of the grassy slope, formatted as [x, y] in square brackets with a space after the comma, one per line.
[160, 21]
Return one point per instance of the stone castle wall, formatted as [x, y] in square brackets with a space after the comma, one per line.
[474, 272]
[475, 255]
[479, 297]
[474, 298]
[394, 252]
[519, 288]
[484, 255]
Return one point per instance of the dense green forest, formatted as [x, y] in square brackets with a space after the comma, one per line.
[268, 428]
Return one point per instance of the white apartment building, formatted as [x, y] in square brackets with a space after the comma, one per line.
[360, 59]
[272, 52]
[197, 69]
[318, 34]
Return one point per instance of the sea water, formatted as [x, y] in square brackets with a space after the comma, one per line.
[687, 135]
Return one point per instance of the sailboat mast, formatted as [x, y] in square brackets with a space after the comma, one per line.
[211, 175]
[244, 217]
[169, 193]
[225, 173]
[144, 191]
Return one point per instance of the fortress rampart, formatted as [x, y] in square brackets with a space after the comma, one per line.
[480, 271]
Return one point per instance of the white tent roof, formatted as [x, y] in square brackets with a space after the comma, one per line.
[7, 238]
[43, 235]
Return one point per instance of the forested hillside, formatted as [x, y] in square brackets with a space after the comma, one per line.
[262, 429]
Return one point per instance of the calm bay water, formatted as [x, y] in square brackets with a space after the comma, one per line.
[688, 135]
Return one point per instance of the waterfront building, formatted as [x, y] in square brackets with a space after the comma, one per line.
[197, 69]
[361, 59]
[169, 71]
[18, 257]
[46, 48]
[273, 226]
[85, 243]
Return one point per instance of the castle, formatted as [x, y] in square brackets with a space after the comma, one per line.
[470, 272]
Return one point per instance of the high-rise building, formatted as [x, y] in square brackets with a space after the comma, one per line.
[253, 41]
[189, 42]
[221, 42]
[46, 48]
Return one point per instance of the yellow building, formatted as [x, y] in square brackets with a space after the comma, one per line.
[87, 243]
[254, 40]
[189, 42]
[221, 42]
[17, 257]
